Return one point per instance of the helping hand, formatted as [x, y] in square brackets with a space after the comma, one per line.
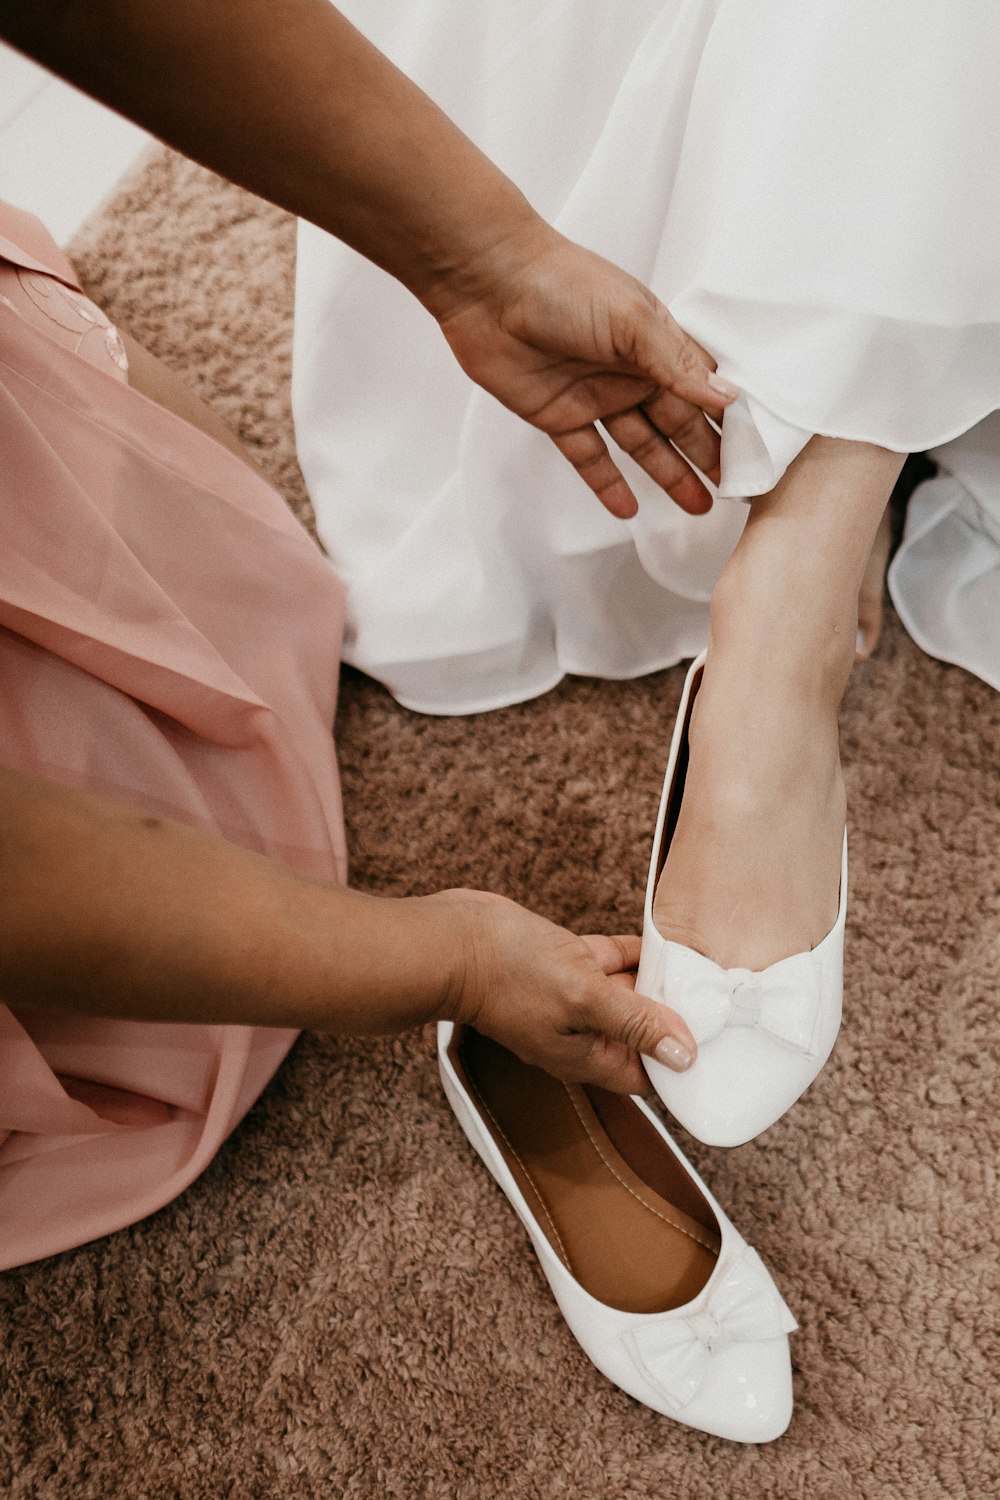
[565, 339]
[560, 1002]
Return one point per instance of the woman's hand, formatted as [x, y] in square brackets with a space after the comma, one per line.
[292, 102]
[566, 340]
[563, 1003]
[184, 927]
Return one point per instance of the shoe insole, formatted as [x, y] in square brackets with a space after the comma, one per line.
[616, 1205]
[676, 795]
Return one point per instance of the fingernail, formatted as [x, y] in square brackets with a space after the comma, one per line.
[673, 1054]
[861, 644]
[723, 387]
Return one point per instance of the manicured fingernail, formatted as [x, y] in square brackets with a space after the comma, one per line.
[723, 387]
[673, 1054]
[861, 645]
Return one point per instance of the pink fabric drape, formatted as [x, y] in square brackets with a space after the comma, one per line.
[169, 637]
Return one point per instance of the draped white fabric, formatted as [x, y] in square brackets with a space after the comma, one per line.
[811, 188]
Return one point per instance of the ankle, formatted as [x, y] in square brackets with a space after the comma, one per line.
[776, 622]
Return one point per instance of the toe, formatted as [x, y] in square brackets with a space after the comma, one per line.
[870, 616]
[872, 592]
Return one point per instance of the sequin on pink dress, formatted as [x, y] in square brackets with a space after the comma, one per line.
[168, 636]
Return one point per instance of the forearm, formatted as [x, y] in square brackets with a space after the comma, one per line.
[288, 99]
[110, 911]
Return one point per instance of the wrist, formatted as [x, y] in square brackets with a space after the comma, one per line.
[473, 272]
[468, 954]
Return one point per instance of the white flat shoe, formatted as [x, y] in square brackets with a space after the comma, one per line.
[762, 1036]
[659, 1288]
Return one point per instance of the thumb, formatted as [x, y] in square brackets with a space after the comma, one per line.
[677, 363]
[646, 1026]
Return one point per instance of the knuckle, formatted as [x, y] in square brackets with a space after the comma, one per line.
[687, 360]
[635, 1031]
[689, 431]
[647, 450]
[621, 949]
[574, 445]
[592, 466]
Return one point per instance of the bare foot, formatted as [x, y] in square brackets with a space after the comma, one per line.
[871, 596]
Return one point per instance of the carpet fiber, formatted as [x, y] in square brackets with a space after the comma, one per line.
[344, 1304]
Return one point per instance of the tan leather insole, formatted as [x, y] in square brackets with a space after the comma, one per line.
[617, 1207]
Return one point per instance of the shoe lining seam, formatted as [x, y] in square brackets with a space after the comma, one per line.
[689, 1233]
[560, 1246]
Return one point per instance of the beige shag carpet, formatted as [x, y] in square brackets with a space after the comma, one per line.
[344, 1304]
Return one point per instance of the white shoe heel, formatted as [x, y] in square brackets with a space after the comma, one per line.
[656, 1284]
[762, 1036]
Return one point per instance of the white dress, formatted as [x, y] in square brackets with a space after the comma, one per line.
[814, 191]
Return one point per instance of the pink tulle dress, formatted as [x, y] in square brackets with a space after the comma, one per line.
[169, 637]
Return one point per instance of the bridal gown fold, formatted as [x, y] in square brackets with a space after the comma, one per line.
[812, 189]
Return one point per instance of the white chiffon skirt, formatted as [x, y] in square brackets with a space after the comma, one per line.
[814, 191]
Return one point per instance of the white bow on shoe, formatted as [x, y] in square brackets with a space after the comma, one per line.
[740, 1306]
[718, 1362]
[784, 1002]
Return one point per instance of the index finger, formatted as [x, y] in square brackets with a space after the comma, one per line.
[588, 453]
[616, 954]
